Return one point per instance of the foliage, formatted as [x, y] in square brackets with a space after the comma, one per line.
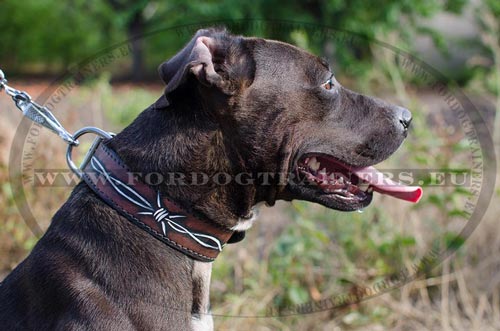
[43, 35]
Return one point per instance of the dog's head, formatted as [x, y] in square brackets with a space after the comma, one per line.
[284, 112]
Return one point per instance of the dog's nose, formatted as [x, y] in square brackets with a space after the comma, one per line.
[404, 116]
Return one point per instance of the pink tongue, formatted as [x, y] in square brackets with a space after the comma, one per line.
[387, 186]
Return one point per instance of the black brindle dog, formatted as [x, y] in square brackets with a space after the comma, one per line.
[231, 105]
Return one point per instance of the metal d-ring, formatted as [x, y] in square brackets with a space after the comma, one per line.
[101, 135]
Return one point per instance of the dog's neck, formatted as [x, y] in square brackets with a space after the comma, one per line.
[180, 142]
[184, 141]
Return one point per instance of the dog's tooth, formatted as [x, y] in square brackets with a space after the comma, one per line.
[313, 164]
[369, 189]
[363, 186]
[341, 180]
[322, 176]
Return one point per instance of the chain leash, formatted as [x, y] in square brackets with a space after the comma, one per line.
[43, 116]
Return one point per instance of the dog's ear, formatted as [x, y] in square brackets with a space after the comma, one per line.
[196, 58]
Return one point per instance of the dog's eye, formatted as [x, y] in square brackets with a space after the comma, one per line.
[328, 85]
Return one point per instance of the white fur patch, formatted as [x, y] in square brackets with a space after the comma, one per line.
[204, 323]
[245, 224]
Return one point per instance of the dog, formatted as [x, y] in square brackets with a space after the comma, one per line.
[231, 105]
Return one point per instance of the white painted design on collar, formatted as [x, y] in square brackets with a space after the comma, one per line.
[160, 213]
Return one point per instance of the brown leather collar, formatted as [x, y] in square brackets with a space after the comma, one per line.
[194, 236]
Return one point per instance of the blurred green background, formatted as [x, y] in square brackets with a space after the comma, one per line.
[45, 37]
[297, 252]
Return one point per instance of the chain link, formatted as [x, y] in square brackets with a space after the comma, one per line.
[43, 116]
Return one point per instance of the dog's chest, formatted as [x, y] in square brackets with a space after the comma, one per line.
[201, 320]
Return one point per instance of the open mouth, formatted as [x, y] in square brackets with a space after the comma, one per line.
[336, 185]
